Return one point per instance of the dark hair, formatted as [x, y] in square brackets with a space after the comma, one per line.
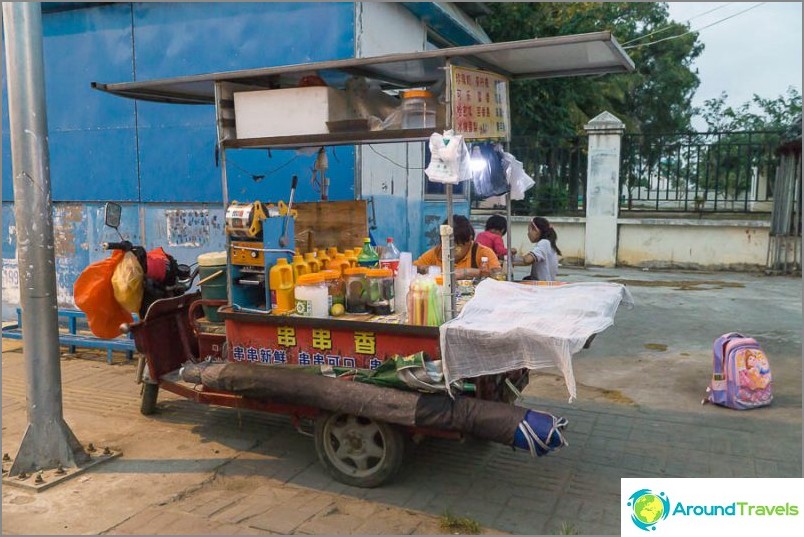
[462, 229]
[497, 222]
[547, 231]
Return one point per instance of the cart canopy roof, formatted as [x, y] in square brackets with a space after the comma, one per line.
[547, 57]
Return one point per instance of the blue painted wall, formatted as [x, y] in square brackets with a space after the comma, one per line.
[159, 157]
[108, 148]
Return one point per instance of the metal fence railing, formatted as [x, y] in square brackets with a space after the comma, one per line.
[714, 172]
[699, 172]
[558, 167]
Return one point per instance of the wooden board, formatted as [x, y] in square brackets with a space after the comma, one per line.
[323, 224]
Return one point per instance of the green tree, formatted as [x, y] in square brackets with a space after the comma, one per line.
[746, 138]
[655, 98]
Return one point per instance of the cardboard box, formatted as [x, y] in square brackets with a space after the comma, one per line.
[288, 112]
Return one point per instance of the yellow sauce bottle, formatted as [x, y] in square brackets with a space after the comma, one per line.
[280, 282]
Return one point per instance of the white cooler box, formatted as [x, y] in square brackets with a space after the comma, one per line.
[288, 112]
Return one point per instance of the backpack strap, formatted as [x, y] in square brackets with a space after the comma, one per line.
[474, 255]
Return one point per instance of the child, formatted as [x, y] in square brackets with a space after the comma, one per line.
[496, 227]
[468, 254]
[543, 258]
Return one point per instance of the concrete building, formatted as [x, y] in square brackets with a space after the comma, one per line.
[160, 161]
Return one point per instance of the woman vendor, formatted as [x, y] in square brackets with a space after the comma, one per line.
[468, 253]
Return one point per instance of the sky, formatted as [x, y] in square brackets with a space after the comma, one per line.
[758, 51]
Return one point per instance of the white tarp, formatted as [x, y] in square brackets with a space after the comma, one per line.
[508, 326]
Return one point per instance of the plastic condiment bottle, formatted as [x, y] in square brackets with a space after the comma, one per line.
[299, 267]
[312, 262]
[280, 282]
[332, 252]
[351, 257]
[338, 264]
[368, 257]
[312, 297]
[322, 257]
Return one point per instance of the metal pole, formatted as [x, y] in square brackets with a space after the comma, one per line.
[48, 440]
[509, 259]
[449, 267]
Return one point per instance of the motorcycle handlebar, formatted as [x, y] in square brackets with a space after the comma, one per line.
[125, 246]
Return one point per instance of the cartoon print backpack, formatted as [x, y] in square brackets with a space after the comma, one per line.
[741, 375]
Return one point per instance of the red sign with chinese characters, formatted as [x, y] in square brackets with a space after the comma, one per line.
[308, 345]
[480, 107]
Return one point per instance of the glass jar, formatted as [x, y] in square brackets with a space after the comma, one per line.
[336, 288]
[380, 284]
[418, 110]
[311, 296]
[356, 289]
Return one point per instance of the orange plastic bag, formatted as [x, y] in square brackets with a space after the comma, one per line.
[94, 295]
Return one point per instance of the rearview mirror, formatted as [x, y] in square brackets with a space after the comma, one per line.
[111, 216]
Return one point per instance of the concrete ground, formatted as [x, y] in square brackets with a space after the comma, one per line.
[192, 469]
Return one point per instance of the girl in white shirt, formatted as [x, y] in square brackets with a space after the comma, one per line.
[543, 258]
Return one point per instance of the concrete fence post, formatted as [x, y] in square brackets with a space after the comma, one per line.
[602, 189]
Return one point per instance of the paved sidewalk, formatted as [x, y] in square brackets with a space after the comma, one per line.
[192, 469]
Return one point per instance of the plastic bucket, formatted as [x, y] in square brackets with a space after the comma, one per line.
[212, 266]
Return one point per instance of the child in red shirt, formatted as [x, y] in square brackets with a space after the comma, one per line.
[496, 227]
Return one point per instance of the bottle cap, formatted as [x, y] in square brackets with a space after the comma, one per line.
[484, 258]
[389, 239]
[305, 279]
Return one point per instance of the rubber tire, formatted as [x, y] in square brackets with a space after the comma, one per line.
[149, 394]
[394, 442]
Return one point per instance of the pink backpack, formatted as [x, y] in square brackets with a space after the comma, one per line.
[741, 375]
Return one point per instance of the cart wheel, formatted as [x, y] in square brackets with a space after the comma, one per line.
[149, 394]
[358, 451]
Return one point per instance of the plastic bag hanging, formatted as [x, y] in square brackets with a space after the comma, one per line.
[94, 295]
[127, 282]
[488, 175]
[518, 180]
[449, 158]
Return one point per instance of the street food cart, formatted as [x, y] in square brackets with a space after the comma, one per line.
[257, 357]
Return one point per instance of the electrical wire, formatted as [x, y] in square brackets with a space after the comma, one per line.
[697, 29]
[660, 30]
[259, 177]
[392, 161]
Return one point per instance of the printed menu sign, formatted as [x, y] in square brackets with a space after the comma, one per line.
[480, 108]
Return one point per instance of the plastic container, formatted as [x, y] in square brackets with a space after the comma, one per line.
[312, 262]
[332, 252]
[300, 267]
[280, 283]
[322, 257]
[425, 304]
[356, 295]
[339, 263]
[380, 286]
[336, 289]
[368, 257]
[418, 110]
[215, 288]
[390, 256]
[311, 296]
[351, 257]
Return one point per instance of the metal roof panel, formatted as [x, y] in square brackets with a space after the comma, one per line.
[547, 57]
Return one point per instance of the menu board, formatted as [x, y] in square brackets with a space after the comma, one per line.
[480, 107]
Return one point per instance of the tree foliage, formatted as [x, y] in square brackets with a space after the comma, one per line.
[758, 114]
[656, 97]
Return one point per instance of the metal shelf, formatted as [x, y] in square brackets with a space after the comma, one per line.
[334, 138]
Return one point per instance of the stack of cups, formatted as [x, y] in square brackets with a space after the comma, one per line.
[404, 274]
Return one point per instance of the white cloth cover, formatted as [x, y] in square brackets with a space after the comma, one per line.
[508, 326]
